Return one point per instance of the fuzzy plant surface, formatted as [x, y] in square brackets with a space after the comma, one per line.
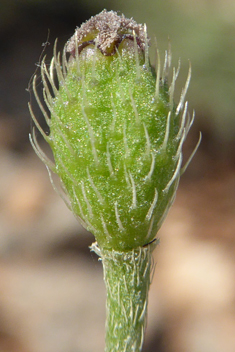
[116, 136]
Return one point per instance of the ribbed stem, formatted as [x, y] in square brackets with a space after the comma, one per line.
[127, 280]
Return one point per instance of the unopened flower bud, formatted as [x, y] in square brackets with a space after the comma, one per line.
[115, 131]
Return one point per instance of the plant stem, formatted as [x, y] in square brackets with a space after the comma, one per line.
[127, 280]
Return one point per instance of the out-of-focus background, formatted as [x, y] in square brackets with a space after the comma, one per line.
[52, 297]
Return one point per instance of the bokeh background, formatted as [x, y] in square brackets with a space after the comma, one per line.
[52, 297]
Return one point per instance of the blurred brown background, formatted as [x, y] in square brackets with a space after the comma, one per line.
[52, 296]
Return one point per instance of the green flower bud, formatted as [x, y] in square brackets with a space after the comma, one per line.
[115, 132]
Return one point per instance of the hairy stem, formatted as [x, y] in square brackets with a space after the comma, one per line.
[127, 280]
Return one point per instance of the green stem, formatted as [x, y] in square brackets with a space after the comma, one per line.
[127, 280]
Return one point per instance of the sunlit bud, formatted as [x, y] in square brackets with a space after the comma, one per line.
[115, 131]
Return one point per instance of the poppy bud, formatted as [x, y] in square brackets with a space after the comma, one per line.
[115, 132]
